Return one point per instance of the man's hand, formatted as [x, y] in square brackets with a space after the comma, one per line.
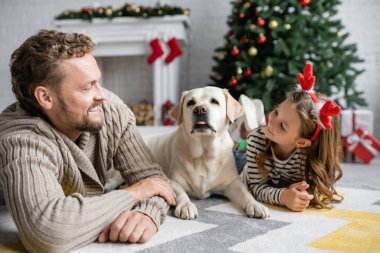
[296, 198]
[150, 187]
[129, 226]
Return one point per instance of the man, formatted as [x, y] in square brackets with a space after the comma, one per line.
[58, 141]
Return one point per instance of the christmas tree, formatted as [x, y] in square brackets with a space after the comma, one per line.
[270, 41]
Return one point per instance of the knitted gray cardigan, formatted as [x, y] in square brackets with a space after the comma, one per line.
[54, 188]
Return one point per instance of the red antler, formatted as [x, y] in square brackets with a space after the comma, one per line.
[307, 80]
[328, 110]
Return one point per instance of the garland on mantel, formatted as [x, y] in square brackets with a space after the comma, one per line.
[128, 10]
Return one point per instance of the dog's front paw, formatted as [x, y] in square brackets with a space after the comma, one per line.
[186, 210]
[256, 209]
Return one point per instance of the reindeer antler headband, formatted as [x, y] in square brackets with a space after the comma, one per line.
[325, 110]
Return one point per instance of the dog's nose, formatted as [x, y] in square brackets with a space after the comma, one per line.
[200, 109]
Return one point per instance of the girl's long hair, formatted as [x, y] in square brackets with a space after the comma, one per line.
[322, 165]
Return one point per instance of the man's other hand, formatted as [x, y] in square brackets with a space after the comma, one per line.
[150, 187]
[129, 226]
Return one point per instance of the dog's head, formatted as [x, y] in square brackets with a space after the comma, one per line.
[208, 110]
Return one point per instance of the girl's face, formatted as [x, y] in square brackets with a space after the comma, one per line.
[284, 125]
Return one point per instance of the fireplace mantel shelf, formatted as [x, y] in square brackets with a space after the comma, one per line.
[127, 36]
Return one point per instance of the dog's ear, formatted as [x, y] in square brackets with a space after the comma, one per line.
[234, 108]
[176, 112]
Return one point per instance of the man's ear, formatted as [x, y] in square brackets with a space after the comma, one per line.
[303, 143]
[43, 97]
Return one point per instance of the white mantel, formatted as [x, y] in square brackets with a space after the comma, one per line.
[130, 37]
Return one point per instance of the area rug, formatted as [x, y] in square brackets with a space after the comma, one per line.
[352, 226]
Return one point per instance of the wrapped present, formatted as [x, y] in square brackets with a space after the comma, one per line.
[354, 119]
[363, 145]
[166, 119]
[350, 121]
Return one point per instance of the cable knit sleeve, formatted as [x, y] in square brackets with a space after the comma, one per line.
[48, 220]
[135, 162]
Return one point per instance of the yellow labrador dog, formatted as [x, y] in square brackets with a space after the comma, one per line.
[198, 158]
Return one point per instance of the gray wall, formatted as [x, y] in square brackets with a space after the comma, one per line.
[21, 18]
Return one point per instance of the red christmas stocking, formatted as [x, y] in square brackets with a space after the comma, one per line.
[157, 50]
[175, 50]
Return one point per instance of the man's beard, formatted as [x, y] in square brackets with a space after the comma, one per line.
[84, 124]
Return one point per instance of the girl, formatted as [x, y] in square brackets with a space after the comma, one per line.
[293, 161]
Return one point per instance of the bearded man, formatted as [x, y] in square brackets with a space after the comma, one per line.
[57, 143]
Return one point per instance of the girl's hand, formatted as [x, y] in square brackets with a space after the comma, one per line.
[296, 198]
[150, 187]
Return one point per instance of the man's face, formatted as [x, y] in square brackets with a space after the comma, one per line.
[76, 106]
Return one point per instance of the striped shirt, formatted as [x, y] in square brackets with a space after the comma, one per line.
[281, 173]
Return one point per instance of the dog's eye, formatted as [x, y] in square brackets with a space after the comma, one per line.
[190, 103]
[214, 101]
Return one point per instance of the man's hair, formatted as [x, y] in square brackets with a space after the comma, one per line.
[37, 60]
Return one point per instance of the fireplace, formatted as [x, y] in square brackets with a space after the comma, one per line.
[131, 37]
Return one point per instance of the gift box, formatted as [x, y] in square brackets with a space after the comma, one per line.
[354, 119]
[350, 121]
[166, 119]
[363, 145]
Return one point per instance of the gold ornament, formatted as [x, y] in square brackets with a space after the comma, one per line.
[252, 27]
[120, 13]
[273, 24]
[287, 26]
[108, 12]
[246, 5]
[268, 71]
[186, 12]
[252, 51]
[220, 56]
[239, 71]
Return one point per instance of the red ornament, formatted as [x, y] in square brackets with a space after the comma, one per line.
[305, 2]
[261, 39]
[235, 51]
[232, 82]
[230, 33]
[241, 15]
[260, 22]
[244, 40]
[247, 72]
[85, 9]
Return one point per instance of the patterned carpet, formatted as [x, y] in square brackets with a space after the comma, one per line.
[352, 226]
